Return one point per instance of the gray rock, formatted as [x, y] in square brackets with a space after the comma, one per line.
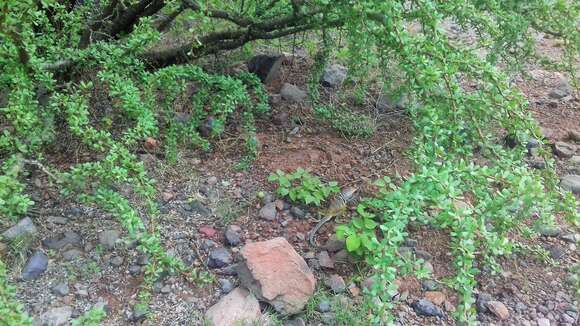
[423, 255]
[481, 302]
[62, 240]
[109, 238]
[143, 260]
[388, 102]
[208, 244]
[232, 238]
[411, 243]
[140, 311]
[343, 256]
[334, 244]
[117, 261]
[231, 270]
[559, 93]
[333, 76]
[60, 220]
[324, 260]
[36, 265]
[429, 285]
[533, 143]
[268, 212]
[71, 254]
[556, 252]
[295, 322]
[219, 258]
[428, 267]
[199, 208]
[324, 306]
[335, 283]
[24, 227]
[571, 182]
[166, 289]
[292, 93]
[425, 307]
[226, 285]
[135, 270]
[297, 212]
[56, 316]
[212, 180]
[548, 230]
[60, 289]
[571, 238]
[564, 150]
[266, 67]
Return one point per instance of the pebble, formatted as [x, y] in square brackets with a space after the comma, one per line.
[109, 238]
[334, 244]
[426, 308]
[117, 261]
[335, 283]
[232, 238]
[139, 312]
[423, 255]
[208, 231]
[268, 212]
[212, 180]
[571, 238]
[297, 212]
[226, 285]
[556, 252]
[60, 220]
[498, 309]
[324, 306]
[58, 316]
[36, 266]
[60, 289]
[219, 258]
[543, 322]
[71, 254]
[135, 270]
[429, 285]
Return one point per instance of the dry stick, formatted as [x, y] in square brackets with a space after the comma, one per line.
[43, 169]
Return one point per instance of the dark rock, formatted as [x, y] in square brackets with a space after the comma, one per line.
[109, 238]
[333, 76]
[36, 265]
[324, 306]
[335, 283]
[426, 308]
[266, 67]
[232, 238]
[297, 212]
[280, 119]
[62, 240]
[208, 244]
[533, 143]
[429, 285]
[226, 285]
[481, 302]
[143, 260]
[537, 164]
[571, 182]
[117, 261]
[71, 254]
[135, 270]
[343, 256]
[556, 252]
[571, 238]
[324, 260]
[268, 212]
[231, 270]
[334, 244]
[140, 311]
[423, 255]
[24, 227]
[219, 258]
[60, 289]
[292, 93]
[199, 208]
[411, 243]
[564, 150]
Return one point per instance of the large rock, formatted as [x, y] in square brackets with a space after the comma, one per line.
[266, 67]
[292, 93]
[25, 227]
[236, 308]
[571, 182]
[61, 240]
[275, 272]
[564, 150]
[56, 316]
[333, 76]
[109, 238]
[36, 265]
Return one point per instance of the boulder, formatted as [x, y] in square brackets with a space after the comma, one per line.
[25, 227]
[333, 76]
[266, 67]
[292, 93]
[277, 274]
[36, 265]
[564, 150]
[238, 307]
[571, 182]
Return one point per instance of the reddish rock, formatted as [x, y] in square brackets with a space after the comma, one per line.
[436, 297]
[238, 307]
[208, 231]
[354, 290]
[167, 195]
[498, 309]
[151, 144]
[277, 274]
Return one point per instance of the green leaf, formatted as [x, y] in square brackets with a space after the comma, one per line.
[352, 242]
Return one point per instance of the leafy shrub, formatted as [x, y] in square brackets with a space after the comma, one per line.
[348, 123]
[302, 186]
[93, 317]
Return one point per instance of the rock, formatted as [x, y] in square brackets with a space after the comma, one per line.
[426, 308]
[24, 227]
[436, 297]
[428, 267]
[481, 302]
[109, 238]
[60, 289]
[324, 306]
[405, 251]
[564, 150]
[166, 289]
[60, 220]
[135, 270]
[334, 244]
[498, 309]
[219, 258]
[211, 181]
[324, 260]
[449, 306]
[238, 307]
[117, 261]
[556, 252]
[543, 322]
[388, 102]
[292, 93]
[423, 255]
[297, 212]
[140, 311]
[333, 76]
[36, 265]
[295, 322]
[343, 256]
[266, 67]
[232, 238]
[560, 91]
[268, 212]
[574, 135]
[226, 285]
[56, 316]
[429, 285]
[353, 290]
[411, 243]
[277, 274]
[571, 182]
[548, 230]
[571, 238]
[198, 208]
[71, 254]
[143, 260]
[62, 240]
[335, 283]
[208, 232]
[231, 270]
[280, 119]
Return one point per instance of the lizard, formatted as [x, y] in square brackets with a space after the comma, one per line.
[336, 207]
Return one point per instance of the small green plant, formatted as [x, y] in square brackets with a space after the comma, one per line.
[348, 123]
[302, 186]
[11, 311]
[93, 317]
